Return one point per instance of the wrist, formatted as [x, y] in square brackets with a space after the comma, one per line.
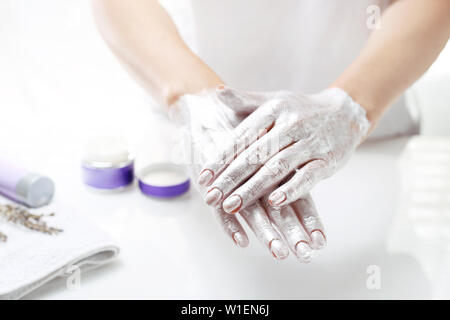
[359, 92]
[348, 110]
[193, 78]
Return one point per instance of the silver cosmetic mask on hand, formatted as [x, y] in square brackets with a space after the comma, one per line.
[204, 123]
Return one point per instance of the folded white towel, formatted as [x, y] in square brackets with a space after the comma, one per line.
[29, 259]
[422, 223]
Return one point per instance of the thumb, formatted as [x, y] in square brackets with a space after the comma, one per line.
[242, 102]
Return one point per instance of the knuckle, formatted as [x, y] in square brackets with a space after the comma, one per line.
[277, 167]
[265, 226]
[291, 229]
[222, 157]
[275, 215]
[308, 178]
[252, 191]
[331, 161]
[291, 191]
[227, 182]
[252, 158]
[276, 143]
[230, 225]
[276, 102]
[311, 222]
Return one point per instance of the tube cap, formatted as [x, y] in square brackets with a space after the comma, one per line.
[35, 190]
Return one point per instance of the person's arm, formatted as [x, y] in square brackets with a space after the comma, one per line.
[315, 135]
[144, 38]
[146, 41]
[411, 36]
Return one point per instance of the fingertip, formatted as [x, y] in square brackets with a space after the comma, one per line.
[232, 204]
[213, 196]
[279, 250]
[277, 198]
[319, 240]
[240, 239]
[206, 177]
[304, 252]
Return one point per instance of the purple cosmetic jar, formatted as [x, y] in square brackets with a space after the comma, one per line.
[107, 164]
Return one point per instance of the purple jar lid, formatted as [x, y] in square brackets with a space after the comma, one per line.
[163, 180]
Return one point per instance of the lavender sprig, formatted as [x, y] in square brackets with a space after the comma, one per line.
[21, 216]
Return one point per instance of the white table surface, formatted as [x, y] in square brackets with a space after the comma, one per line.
[175, 249]
[59, 83]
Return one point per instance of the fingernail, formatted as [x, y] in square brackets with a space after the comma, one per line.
[213, 196]
[232, 204]
[240, 240]
[277, 198]
[220, 87]
[318, 239]
[304, 252]
[279, 249]
[205, 177]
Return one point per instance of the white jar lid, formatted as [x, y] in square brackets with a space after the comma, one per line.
[107, 149]
[163, 177]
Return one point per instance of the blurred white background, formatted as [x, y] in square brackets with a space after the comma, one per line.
[58, 79]
[56, 72]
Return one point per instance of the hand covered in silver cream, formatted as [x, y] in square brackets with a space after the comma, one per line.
[289, 143]
[205, 123]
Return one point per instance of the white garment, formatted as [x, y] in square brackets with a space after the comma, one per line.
[297, 45]
[30, 259]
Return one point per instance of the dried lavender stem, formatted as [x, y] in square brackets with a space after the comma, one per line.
[22, 216]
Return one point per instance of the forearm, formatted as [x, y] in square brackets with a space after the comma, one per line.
[144, 38]
[412, 34]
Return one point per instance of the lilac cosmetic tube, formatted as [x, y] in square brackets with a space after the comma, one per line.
[23, 186]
